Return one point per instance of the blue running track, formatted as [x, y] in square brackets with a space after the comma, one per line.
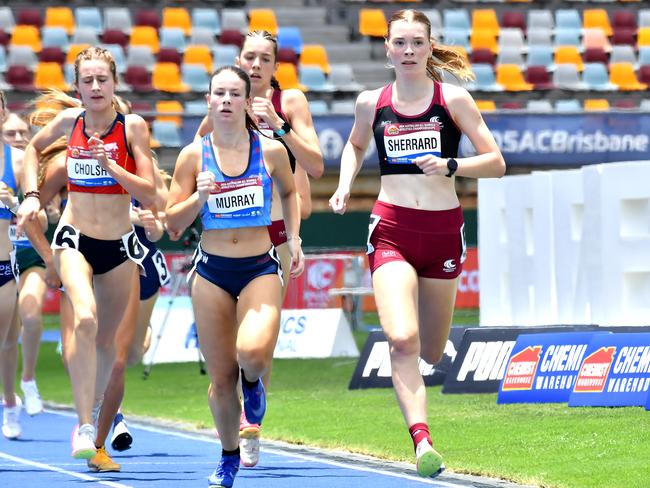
[168, 458]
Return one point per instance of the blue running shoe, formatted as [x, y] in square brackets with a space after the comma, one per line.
[224, 475]
[254, 402]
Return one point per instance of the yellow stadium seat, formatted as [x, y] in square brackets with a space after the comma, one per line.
[60, 17]
[262, 19]
[485, 19]
[596, 104]
[144, 35]
[167, 77]
[372, 22]
[315, 54]
[26, 35]
[622, 74]
[484, 39]
[569, 55]
[177, 17]
[511, 78]
[170, 107]
[73, 51]
[486, 105]
[643, 38]
[287, 76]
[49, 75]
[596, 18]
[198, 54]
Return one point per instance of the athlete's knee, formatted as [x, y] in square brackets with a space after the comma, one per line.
[86, 323]
[31, 318]
[223, 380]
[119, 367]
[134, 357]
[404, 344]
[254, 359]
[432, 355]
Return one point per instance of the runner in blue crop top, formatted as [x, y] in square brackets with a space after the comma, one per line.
[236, 287]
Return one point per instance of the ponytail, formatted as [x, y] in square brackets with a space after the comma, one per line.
[448, 59]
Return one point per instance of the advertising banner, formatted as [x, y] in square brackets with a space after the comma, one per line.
[543, 367]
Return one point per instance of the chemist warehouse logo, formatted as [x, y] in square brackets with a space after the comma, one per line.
[392, 130]
[594, 371]
[521, 369]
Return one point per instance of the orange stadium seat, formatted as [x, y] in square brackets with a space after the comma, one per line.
[287, 76]
[643, 38]
[262, 19]
[26, 35]
[486, 105]
[167, 77]
[372, 22]
[511, 78]
[569, 55]
[145, 35]
[73, 51]
[622, 74]
[166, 107]
[60, 17]
[485, 20]
[315, 54]
[177, 17]
[596, 104]
[484, 39]
[198, 55]
[49, 75]
[596, 18]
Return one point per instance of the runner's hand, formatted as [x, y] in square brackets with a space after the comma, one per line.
[96, 146]
[263, 109]
[297, 258]
[28, 210]
[432, 165]
[204, 185]
[339, 201]
[52, 277]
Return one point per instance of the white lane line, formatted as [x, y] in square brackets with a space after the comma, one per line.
[48, 467]
[280, 452]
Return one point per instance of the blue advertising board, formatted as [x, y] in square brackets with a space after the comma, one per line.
[615, 372]
[543, 368]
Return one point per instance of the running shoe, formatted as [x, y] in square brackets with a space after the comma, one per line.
[254, 401]
[96, 410]
[122, 438]
[224, 475]
[33, 402]
[249, 442]
[429, 461]
[83, 441]
[10, 416]
[101, 462]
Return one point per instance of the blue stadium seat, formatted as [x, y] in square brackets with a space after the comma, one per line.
[68, 73]
[539, 106]
[118, 54]
[90, 17]
[166, 133]
[568, 37]
[314, 79]
[54, 37]
[540, 56]
[140, 56]
[540, 19]
[318, 107]
[342, 78]
[3, 59]
[203, 35]
[118, 18]
[596, 77]
[456, 19]
[572, 105]
[224, 54]
[172, 37]
[568, 18]
[207, 18]
[197, 108]
[485, 78]
[234, 19]
[196, 77]
[566, 77]
[85, 35]
[644, 55]
[22, 56]
[540, 37]
[290, 37]
[457, 37]
[7, 21]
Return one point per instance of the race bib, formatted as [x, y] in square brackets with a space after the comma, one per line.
[237, 198]
[84, 170]
[405, 142]
[65, 236]
[135, 250]
[161, 267]
[17, 240]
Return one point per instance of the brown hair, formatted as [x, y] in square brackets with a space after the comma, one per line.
[267, 36]
[3, 100]
[95, 52]
[442, 57]
[250, 123]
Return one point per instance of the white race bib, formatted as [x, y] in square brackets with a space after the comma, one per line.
[88, 172]
[235, 200]
[405, 142]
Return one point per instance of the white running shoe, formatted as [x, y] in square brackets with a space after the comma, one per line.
[83, 442]
[429, 461]
[249, 442]
[10, 424]
[33, 402]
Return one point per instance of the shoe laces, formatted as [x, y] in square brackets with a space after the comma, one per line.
[228, 465]
[87, 430]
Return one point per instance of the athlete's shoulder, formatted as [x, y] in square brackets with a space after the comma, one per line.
[135, 120]
[69, 115]
[454, 93]
[271, 146]
[370, 97]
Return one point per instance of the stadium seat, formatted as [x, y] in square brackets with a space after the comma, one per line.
[565, 77]
[22, 56]
[73, 51]
[623, 54]
[262, 19]
[372, 23]
[514, 19]
[539, 106]
[117, 18]
[26, 35]
[342, 78]
[5, 37]
[177, 17]
[20, 78]
[595, 38]
[170, 111]
[148, 17]
[290, 37]
[115, 36]
[118, 54]
[643, 37]
[564, 106]
[173, 37]
[595, 55]
[645, 105]
[287, 55]
[203, 35]
[167, 77]
[198, 55]
[644, 18]
[60, 17]
[622, 74]
[206, 18]
[145, 35]
[456, 19]
[644, 56]
[166, 133]
[511, 55]
[29, 16]
[624, 36]
[511, 78]
[49, 75]
[540, 37]
[318, 108]
[568, 54]
[540, 19]
[482, 56]
[568, 18]
[196, 77]
[625, 19]
[485, 19]
[342, 107]
[140, 56]
[69, 74]
[596, 105]
[435, 19]
[314, 79]
[486, 105]
[595, 77]
[485, 79]
[3, 59]
[197, 108]
[89, 17]
[539, 77]
[644, 74]
[234, 19]
[315, 54]
[51, 54]
[231, 36]
[512, 105]
[457, 37]
[626, 104]
[512, 37]
[54, 37]
[483, 39]
[7, 20]
[540, 56]
[596, 18]
[567, 37]
[287, 76]
[139, 78]
[223, 55]
[169, 55]
[85, 35]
